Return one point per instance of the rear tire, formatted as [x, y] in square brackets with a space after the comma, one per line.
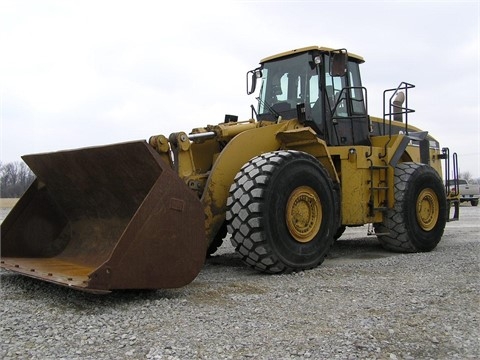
[283, 212]
[474, 202]
[417, 220]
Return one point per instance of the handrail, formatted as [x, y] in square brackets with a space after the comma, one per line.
[404, 110]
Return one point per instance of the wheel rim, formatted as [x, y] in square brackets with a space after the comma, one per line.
[303, 214]
[427, 209]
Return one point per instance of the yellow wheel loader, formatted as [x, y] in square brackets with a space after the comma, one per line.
[284, 184]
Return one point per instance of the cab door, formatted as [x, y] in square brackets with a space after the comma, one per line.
[345, 107]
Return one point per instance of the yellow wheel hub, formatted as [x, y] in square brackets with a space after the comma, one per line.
[427, 209]
[303, 214]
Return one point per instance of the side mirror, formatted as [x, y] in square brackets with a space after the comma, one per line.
[252, 80]
[338, 62]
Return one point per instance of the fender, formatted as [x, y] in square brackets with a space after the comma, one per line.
[306, 140]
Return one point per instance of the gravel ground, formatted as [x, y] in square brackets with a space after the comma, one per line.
[361, 303]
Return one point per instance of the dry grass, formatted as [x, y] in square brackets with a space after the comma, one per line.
[8, 203]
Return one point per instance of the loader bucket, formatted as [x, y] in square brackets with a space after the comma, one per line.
[105, 218]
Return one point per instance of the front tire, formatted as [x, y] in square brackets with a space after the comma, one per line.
[283, 212]
[417, 220]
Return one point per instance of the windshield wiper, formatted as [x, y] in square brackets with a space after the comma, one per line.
[269, 107]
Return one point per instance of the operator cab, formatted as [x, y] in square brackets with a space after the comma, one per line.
[319, 86]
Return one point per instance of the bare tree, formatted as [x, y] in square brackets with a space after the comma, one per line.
[15, 178]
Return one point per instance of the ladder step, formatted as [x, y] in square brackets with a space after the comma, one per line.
[379, 188]
[379, 167]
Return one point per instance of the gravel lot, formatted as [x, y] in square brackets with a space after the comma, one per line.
[362, 303]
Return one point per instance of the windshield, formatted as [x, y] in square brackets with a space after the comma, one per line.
[286, 83]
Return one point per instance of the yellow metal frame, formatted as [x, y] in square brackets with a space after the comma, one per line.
[365, 174]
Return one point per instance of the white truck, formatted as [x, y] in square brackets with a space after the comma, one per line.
[468, 191]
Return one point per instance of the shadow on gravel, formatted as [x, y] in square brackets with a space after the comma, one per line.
[358, 248]
[227, 259]
[367, 248]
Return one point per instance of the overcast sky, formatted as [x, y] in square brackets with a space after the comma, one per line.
[84, 73]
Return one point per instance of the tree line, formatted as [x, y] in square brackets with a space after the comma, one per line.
[15, 178]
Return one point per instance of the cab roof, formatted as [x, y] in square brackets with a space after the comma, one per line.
[352, 56]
